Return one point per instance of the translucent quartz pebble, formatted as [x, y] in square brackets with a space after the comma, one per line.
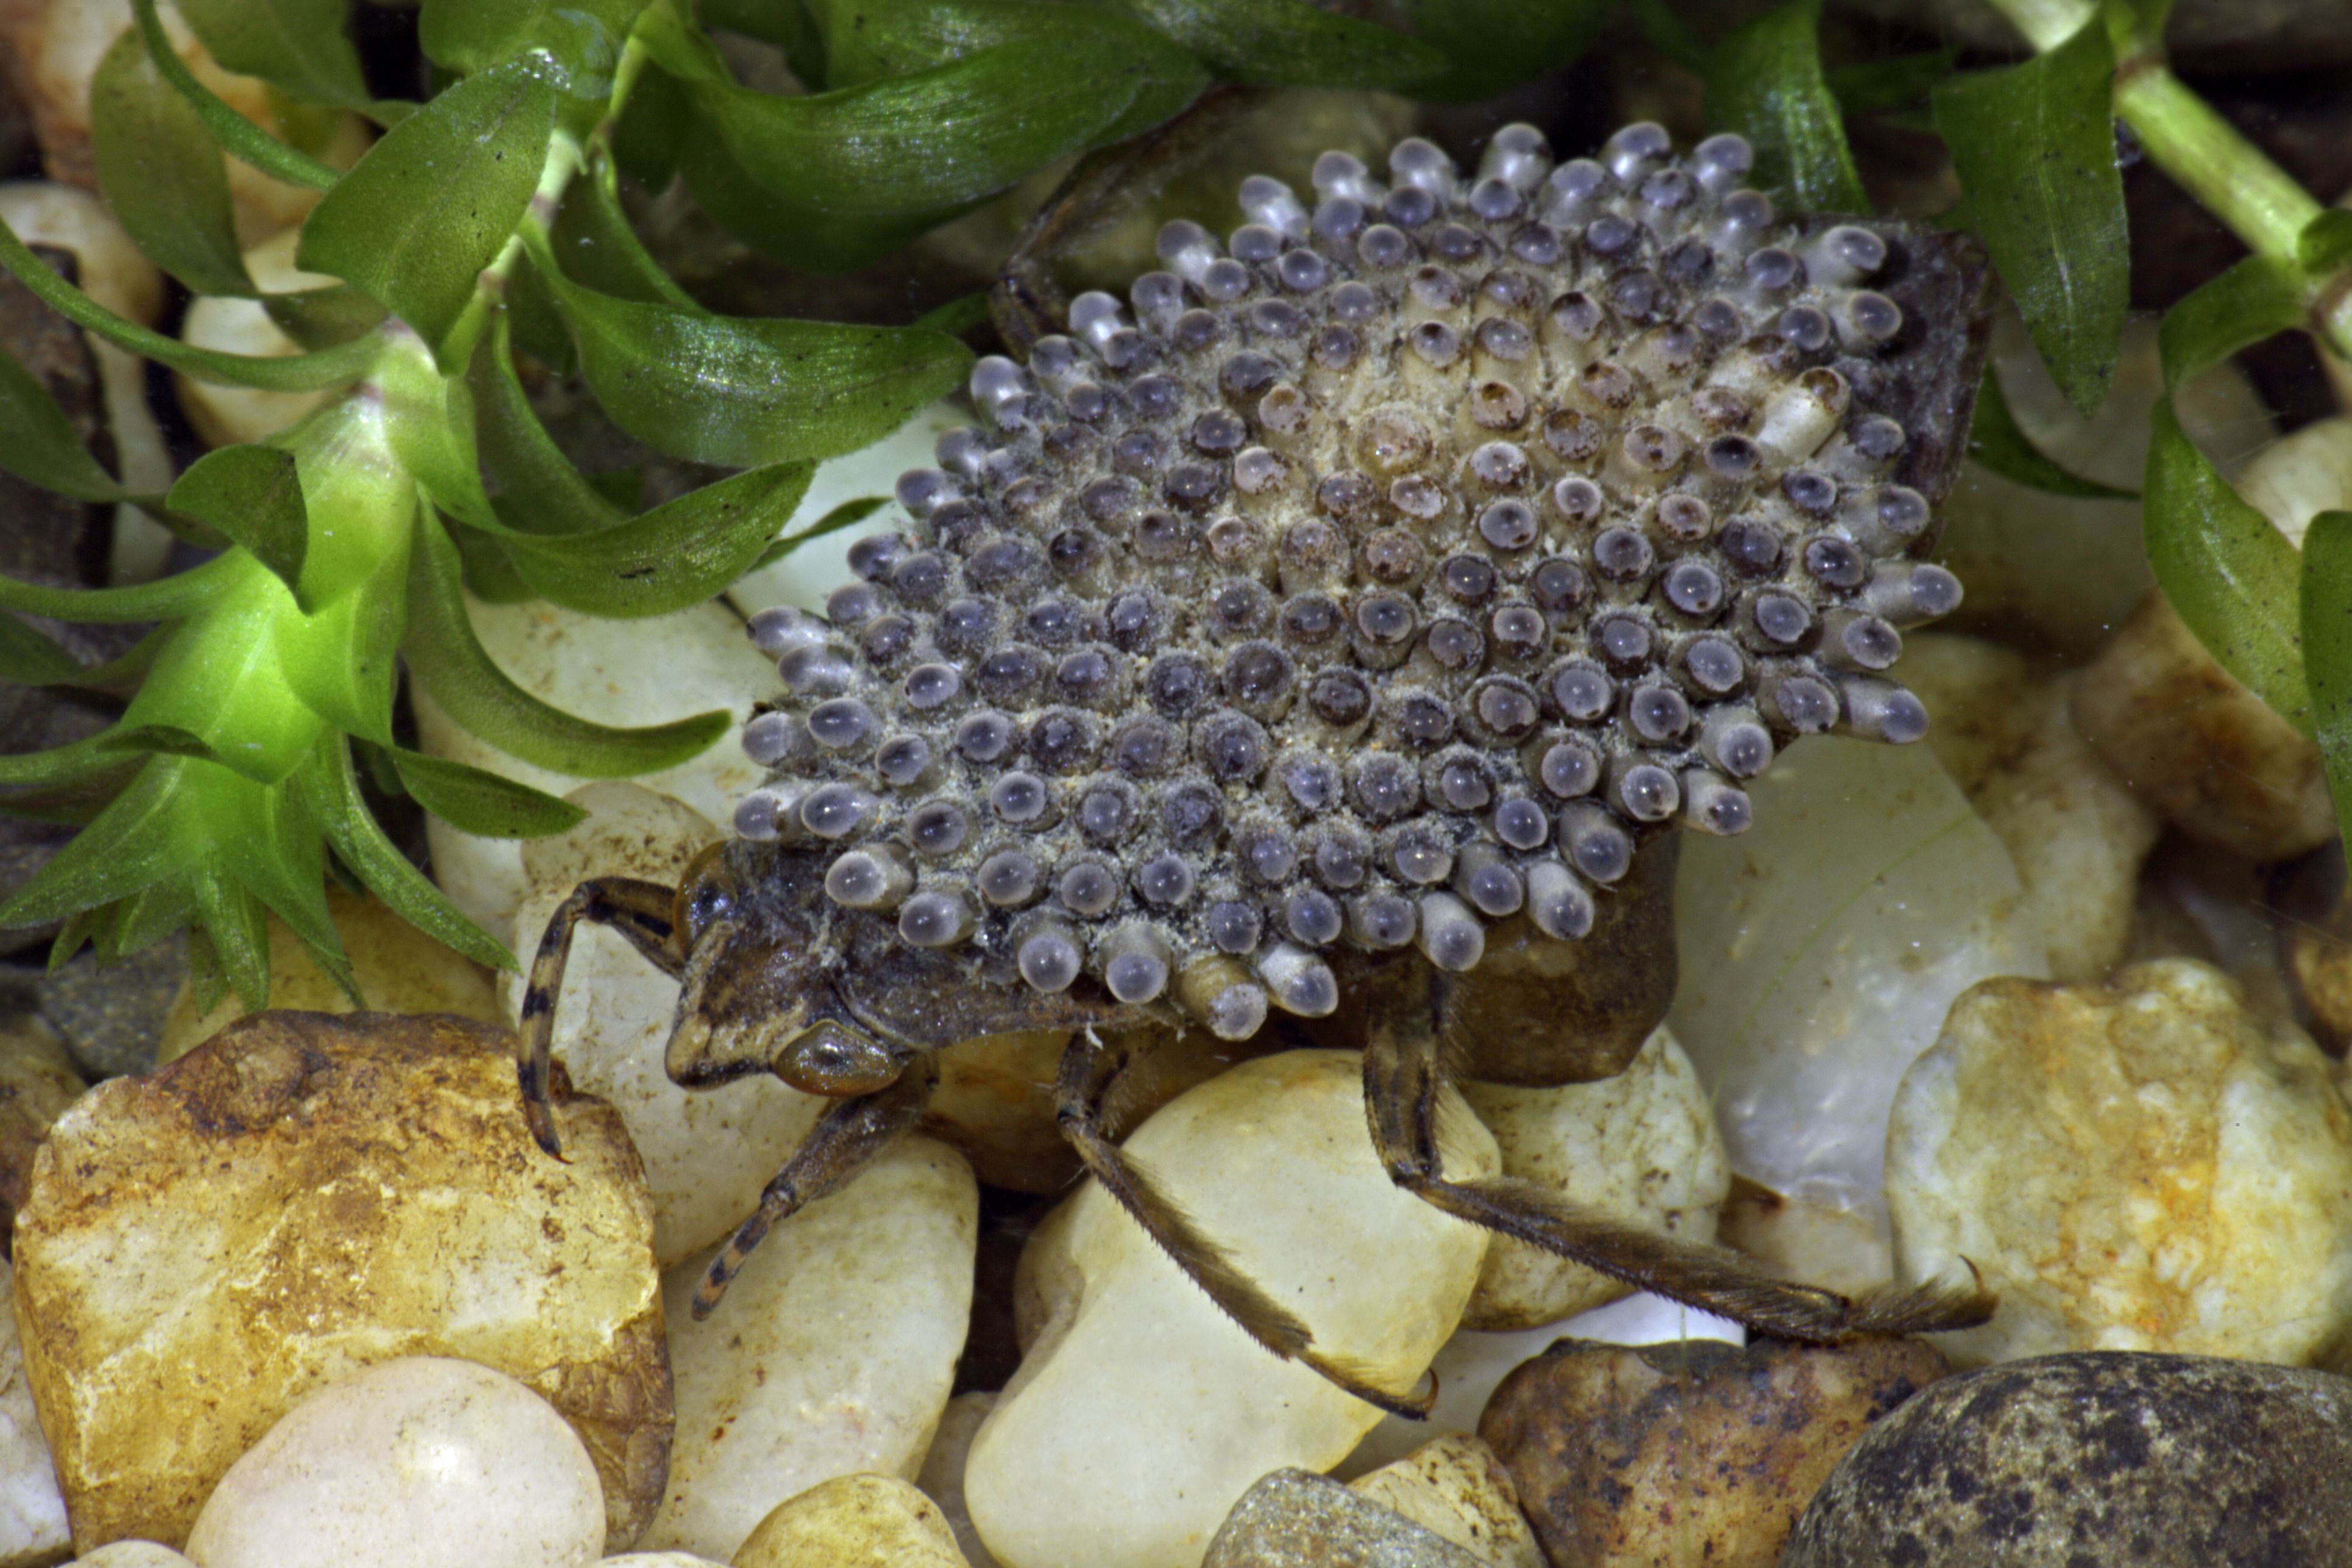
[1820, 951]
[1138, 1388]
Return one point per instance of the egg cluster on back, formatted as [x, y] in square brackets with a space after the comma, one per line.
[1387, 571]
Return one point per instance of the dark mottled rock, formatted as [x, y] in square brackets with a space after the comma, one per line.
[2095, 1457]
[110, 1016]
[1698, 1452]
[1291, 1519]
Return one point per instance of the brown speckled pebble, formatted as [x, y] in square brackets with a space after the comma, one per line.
[1691, 1453]
[1291, 1519]
[2073, 1461]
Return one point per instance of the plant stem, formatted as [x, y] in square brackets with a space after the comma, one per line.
[2203, 154]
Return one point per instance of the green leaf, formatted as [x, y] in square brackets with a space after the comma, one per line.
[1290, 43]
[593, 244]
[119, 677]
[1883, 87]
[489, 575]
[139, 839]
[296, 46]
[677, 555]
[1765, 82]
[448, 660]
[2325, 618]
[543, 493]
[433, 202]
[166, 598]
[37, 441]
[323, 318]
[2256, 298]
[2034, 147]
[343, 817]
[237, 925]
[582, 38]
[254, 495]
[1494, 44]
[222, 679]
[162, 174]
[1995, 440]
[783, 23]
[848, 514]
[481, 803]
[240, 137]
[271, 372]
[745, 393]
[1668, 34]
[2229, 574]
[153, 741]
[2325, 243]
[29, 658]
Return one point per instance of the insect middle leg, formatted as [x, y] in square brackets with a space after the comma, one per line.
[845, 1140]
[1405, 1074]
[643, 912]
[1090, 1072]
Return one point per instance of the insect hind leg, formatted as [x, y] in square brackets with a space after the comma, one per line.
[1404, 1076]
[643, 913]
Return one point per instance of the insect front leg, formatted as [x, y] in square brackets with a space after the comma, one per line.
[1090, 1072]
[1405, 1074]
[845, 1140]
[642, 912]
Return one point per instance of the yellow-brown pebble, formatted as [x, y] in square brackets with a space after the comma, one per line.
[1455, 1487]
[854, 1521]
[2137, 1164]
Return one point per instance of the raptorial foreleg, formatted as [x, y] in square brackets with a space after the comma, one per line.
[641, 911]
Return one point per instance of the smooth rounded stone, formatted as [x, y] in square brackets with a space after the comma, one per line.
[2314, 904]
[659, 1560]
[1689, 1453]
[398, 967]
[2074, 829]
[1456, 1487]
[33, 1528]
[628, 672]
[996, 1098]
[2205, 754]
[416, 1462]
[708, 1153]
[1821, 949]
[853, 1521]
[832, 1354]
[38, 1082]
[816, 567]
[1137, 1388]
[132, 1554]
[2131, 1165]
[2168, 1461]
[2299, 476]
[1296, 1519]
[941, 1477]
[1472, 1363]
[225, 324]
[305, 1194]
[2065, 570]
[110, 1016]
[1640, 1147]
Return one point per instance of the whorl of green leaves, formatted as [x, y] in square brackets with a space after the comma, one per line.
[487, 217]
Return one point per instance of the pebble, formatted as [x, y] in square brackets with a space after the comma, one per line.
[33, 1528]
[832, 1354]
[708, 1153]
[1135, 1387]
[110, 1016]
[2314, 904]
[38, 1082]
[225, 324]
[941, 1477]
[1293, 1519]
[132, 1554]
[2162, 1461]
[854, 1521]
[398, 967]
[2074, 829]
[1689, 1453]
[305, 1194]
[2205, 754]
[1821, 949]
[417, 1462]
[659, 1560]
[1456, 1487]
[1640, 1147]
[2301, 474]
[2131, 1165]
[627, 672]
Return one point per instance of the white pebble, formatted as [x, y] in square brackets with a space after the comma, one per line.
[1139, 1390]
[420, 1462]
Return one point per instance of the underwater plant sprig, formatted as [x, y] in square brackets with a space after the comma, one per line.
[351, 541]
